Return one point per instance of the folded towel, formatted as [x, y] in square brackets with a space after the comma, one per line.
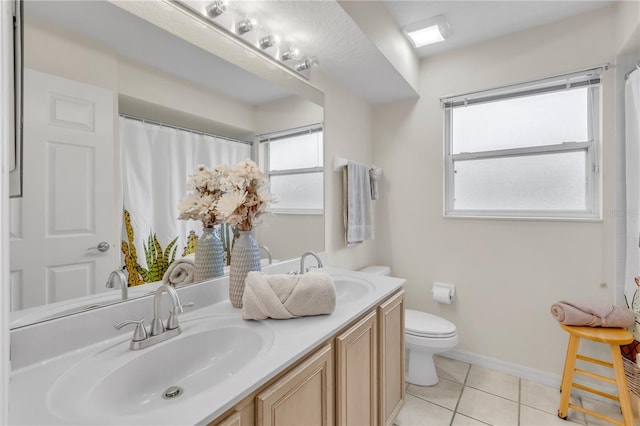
[374, 176]
[181, 271]
[592, 314]
[358, 209]
[282, 296]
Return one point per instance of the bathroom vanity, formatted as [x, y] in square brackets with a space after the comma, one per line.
[343, 368]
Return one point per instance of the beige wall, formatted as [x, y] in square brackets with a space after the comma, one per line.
[628, 18]
[507, 272]
[289, 235]
[348, 125]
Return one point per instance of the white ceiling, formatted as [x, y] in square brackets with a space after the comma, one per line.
[318, 28]
[475, 21]
[323, 29]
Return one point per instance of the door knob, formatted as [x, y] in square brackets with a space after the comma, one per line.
[102, 247]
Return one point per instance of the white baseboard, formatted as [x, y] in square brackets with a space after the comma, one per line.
[528, 373]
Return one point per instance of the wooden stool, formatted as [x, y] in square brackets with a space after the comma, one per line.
[614, 337]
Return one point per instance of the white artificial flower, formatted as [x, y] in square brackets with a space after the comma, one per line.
[230, 201]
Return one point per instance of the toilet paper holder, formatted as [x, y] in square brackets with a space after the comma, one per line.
[443, 292]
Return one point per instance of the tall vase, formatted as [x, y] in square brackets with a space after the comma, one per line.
[209, 259]
[245, 257]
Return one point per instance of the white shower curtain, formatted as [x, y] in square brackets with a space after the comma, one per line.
[632, 160]
[156, 162]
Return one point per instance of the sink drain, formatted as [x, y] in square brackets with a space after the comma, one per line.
[172, 392]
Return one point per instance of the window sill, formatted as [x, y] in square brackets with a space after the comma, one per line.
[531, 217]
[309, 212]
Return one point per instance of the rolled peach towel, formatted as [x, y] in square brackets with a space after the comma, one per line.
[282, 296]
[592, 314]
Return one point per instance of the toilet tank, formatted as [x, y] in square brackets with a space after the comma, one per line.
[377, 270]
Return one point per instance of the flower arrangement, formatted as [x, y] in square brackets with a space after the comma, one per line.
[245, 195]
[201, 202]
[237, 195]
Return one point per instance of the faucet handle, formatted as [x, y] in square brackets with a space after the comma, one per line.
[172, 322]
[140, 333]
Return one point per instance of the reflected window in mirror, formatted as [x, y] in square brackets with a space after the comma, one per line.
[293, 160]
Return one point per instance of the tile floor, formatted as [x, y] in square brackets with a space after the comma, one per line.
[472, 395]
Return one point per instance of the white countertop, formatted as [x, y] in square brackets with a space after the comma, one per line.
[31, 403]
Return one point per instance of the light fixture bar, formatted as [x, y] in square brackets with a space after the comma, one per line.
[216, 8]
[289, 54]
[245, 26]
[268, 41]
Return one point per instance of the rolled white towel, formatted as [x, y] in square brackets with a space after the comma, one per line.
[283, 296]
[181, 272]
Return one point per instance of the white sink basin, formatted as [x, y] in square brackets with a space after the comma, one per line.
[350, 289]
[117, 382]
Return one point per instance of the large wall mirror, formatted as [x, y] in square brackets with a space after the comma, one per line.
[102, 86]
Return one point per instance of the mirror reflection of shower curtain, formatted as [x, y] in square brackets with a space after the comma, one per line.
[156, 162]
[632, 178]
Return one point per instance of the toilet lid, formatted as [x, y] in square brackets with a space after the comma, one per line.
[422, 324]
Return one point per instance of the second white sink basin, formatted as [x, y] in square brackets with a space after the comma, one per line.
[117, 382]
[350, 289]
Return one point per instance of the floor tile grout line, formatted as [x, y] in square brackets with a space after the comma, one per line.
[519, 399]
[464, 384]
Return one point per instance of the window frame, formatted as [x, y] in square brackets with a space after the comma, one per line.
[591, 147]
[265, 139]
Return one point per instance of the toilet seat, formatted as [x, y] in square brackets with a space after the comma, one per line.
[422, 324]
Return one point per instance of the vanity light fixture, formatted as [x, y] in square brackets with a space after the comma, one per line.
[235, 23]
[429, 31]
[306, 64]
[268, 41]
[289, 54]
[245, 26]
[216, 8]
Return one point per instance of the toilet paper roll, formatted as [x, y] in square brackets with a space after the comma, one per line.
[442, 295]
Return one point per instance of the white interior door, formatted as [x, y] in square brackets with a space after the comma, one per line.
[68, 198]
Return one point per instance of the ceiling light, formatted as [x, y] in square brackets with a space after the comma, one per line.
[216, 8]
[289, 54]
[245, 26]
[429, 31]
[306, 64]
[268, 41]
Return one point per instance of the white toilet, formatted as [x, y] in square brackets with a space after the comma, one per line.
[425, 335]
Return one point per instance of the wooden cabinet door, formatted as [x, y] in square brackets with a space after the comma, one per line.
[234, 419]
[391, 384]
[357, 370]
[304, 396]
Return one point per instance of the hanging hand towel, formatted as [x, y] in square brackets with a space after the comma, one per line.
[358, 209]
[282, 296]
[592, 314]
[374, 175]
[181, 271]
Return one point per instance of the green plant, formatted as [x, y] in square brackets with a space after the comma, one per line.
[158, 261]
[192, 243]
[130, 255]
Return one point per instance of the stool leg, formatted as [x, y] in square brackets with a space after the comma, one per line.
[621, 382]
[567, 375]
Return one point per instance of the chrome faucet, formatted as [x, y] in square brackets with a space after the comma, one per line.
[157, 331]
[157, 327]
[304, 256]
[269, 256]
[117, 279]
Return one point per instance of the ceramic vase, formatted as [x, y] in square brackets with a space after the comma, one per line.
[245, 257]
[209, 258]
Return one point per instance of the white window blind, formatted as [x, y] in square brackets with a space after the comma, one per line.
[293, 160]
[525, 151]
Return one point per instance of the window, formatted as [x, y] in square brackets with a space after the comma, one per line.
[525, 151]
[293, 160]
